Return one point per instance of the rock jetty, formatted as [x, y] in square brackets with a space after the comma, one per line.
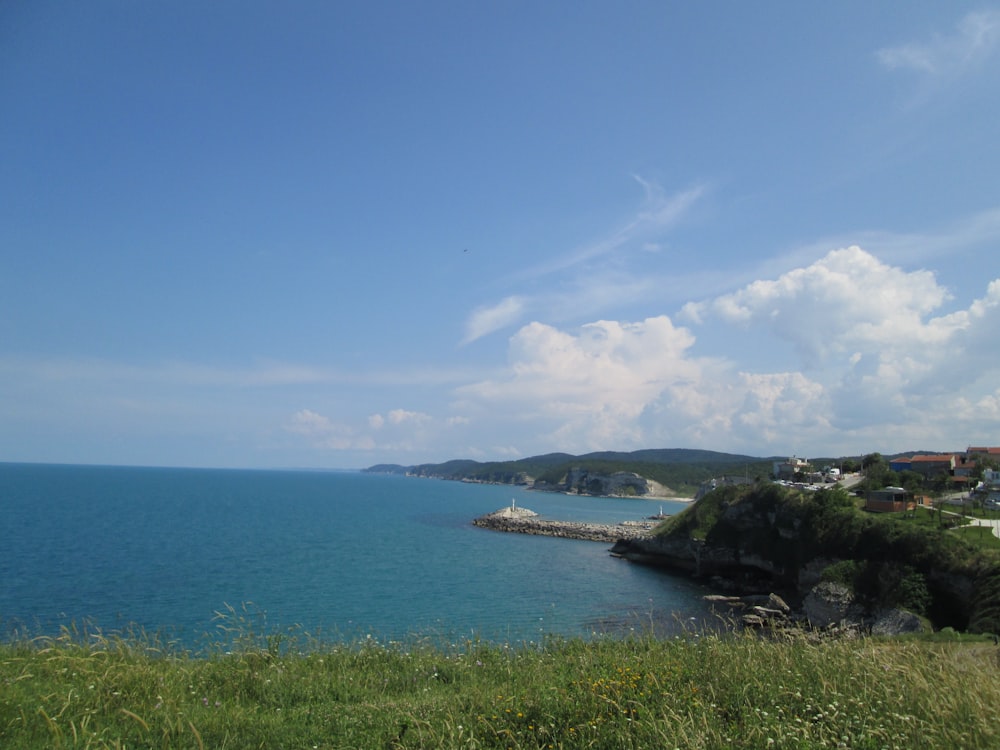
[524, 521]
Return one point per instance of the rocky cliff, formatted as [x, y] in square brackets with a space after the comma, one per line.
[581, 481]
[768, 538]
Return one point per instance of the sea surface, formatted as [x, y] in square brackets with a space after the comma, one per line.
[337, 555]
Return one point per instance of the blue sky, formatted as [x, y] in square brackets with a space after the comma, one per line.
[247, 234]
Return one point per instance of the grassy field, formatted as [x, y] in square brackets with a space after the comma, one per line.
[711, 691]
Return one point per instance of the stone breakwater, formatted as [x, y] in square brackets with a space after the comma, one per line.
[523, 521]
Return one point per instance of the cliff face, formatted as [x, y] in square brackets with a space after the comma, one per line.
[581, 481]
[769, 538]
[741, 569]
[577, 481]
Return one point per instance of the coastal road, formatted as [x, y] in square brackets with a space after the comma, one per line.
[849, 480]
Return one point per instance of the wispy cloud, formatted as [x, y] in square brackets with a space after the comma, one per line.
[324, 433]
[398, 430]
[658, 213]
[199, 375]
[485, 320]
[590, 277]
[974, 233]
[974, 39]
[188, 374]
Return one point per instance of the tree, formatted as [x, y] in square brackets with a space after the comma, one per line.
[911, 481]
[873, 459]
[876, 470]
[983, 463]
[849, 465]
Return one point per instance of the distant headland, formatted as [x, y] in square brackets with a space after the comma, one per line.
[652, 473]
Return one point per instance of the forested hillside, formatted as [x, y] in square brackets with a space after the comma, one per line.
[680, 469]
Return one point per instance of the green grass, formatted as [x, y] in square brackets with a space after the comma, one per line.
[712, 691]
[979, 537]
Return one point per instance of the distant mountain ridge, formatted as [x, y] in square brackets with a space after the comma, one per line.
[680, 470]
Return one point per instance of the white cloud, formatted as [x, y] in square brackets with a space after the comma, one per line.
[847, 300]
[888, 369]
[399, 416]
[399, 431]
[779, 406]
[975, 38]
[485, 320]
[613, 385]
[888, 360]
[590, 387]
[322, 432]
[306, 422]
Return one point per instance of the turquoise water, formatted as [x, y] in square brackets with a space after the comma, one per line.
[342, 555]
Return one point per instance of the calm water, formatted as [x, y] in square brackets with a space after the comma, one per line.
[340, 554]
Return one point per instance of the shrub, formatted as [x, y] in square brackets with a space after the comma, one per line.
[844, 572]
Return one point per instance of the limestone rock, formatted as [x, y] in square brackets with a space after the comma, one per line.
[897, 622]
[829, 604]
[776, 602]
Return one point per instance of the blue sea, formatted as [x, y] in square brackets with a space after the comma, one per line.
[338, 555]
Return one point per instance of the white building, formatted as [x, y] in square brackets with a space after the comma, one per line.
[788, 469]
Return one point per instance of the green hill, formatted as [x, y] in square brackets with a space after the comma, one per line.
[683, 470]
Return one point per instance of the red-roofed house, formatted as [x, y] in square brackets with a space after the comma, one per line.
[971, 453]
[965, 465]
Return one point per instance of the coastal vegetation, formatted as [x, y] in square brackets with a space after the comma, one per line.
[790, 539]
[87, 690]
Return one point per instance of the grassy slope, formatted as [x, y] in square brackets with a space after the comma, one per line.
[707, 692]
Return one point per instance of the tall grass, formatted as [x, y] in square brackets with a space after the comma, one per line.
[86, 690]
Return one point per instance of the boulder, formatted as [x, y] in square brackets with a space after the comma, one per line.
[897, 622]
[776, 602]
[831, 604]
[769, 601]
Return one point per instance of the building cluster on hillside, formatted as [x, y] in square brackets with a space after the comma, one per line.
[800, 470]
[788, 469]
[958, 467]
[959, 470]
